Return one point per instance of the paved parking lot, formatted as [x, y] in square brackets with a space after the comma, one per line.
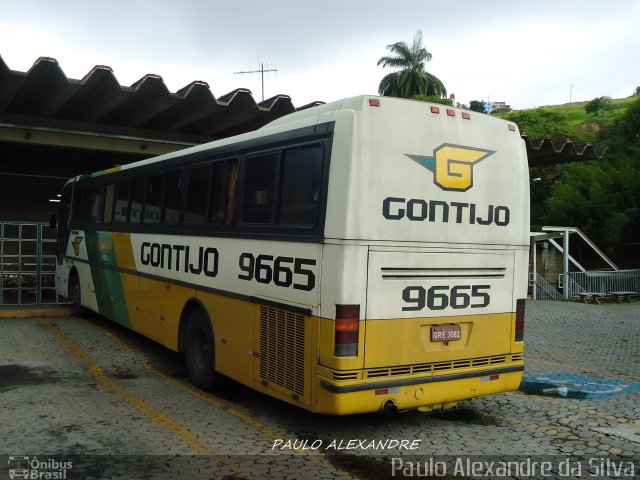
[88, 399]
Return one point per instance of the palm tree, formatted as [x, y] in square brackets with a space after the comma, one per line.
[412, 79]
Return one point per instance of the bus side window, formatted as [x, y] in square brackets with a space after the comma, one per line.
[197, 195]
[121, 203]
[91, 205]
[172, 196]
[300, 190]
[153, 200]
[78, 202]
[232, 191]
[260, 180]
[108, 203]
[136, 199]
[219, 188]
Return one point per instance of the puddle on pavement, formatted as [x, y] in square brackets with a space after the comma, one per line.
[13, 376]
[122, 373]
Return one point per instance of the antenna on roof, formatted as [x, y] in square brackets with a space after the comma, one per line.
[261, 71]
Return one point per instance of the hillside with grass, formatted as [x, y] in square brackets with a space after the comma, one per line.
[585, 125]
[569, 120]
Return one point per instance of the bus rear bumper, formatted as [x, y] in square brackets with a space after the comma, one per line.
[338, 398]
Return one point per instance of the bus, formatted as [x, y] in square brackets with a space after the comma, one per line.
[365, 255]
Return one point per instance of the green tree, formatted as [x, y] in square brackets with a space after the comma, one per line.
[540, 122]
[602, 197]
[432, 99]
[476, 106]
[412, 79]
[599, 106]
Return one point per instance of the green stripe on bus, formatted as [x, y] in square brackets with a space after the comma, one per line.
[106, 281]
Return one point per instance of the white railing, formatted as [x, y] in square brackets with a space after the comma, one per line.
[544, 290]
[604, 281]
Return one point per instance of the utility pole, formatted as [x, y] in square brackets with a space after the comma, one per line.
[571, 92]
[261, 71]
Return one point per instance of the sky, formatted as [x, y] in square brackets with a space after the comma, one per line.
[525, 53]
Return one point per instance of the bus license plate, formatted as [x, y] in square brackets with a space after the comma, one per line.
[446, 333]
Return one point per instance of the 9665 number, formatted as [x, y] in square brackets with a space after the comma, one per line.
[440, 297]
[282, 271]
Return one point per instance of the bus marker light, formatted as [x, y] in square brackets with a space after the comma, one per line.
[520, 320]
[387, 391]
[435, 109]
[466, 115]
[451, 112]
[346, 330]
[512, 127]
[374, 102]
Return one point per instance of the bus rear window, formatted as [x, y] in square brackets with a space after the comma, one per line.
[301, 176]
[283, 188]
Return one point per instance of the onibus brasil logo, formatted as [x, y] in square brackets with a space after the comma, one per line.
[38, 469]
[452, 165]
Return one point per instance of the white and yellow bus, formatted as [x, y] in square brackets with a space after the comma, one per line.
[364, 255]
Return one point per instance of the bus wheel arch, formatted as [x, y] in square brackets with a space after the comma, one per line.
[74, 291]
[196, 340]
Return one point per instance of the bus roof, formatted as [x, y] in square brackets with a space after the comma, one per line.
[290, 121]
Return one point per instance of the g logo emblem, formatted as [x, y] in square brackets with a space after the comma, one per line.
[76, 245]
[452, 165]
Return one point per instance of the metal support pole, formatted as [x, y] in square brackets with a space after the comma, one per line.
[565, 266]
[534, 269]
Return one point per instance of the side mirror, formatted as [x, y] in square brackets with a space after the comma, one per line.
[53, 221]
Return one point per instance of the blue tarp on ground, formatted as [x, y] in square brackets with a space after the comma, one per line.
[574, 385]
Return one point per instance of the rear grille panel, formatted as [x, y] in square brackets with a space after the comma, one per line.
[343, 376]
[391, 273]
[282, 341]
[442, 366]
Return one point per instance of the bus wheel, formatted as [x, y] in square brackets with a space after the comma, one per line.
[76, 296]
[199, 351]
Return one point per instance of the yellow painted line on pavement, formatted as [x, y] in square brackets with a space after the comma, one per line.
[224, 405]
[35, 312]
[201, 446]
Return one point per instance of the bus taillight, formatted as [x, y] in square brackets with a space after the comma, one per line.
[347, 329]
[520, 320]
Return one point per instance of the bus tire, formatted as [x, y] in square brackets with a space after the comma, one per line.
[199, 350]
[75, 295]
